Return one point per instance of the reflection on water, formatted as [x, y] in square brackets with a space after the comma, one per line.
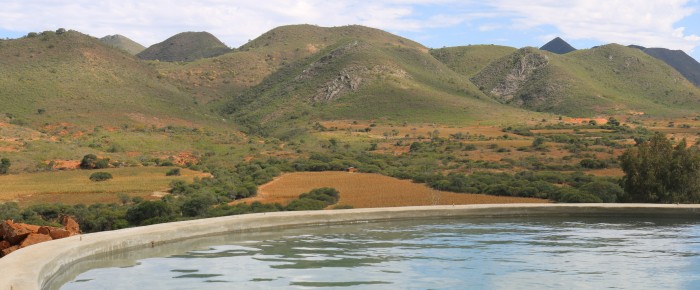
[445, 254]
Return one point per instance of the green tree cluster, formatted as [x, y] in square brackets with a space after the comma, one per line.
[658, 172]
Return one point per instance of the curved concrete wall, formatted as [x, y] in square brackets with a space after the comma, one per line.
[33, 267]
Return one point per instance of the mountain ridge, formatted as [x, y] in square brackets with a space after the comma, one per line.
[678, 59]
[558, 46]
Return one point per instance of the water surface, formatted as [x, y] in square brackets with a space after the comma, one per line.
[533, 253]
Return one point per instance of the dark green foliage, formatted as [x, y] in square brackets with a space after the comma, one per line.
[316, 199]
[525, 184]
[90, 161]
[10, 211]
[538, 144]
[197, 205]
[173, 172]
[5, 164]
[101, 176]
[593, 163]
[575, 196]
[306, 204]
[328, 195]
[149, 212]
[656, 171]
[605, 190]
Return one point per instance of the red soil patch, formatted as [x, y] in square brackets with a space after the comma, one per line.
[8, 149]
[64, 164]
[600, 121]
[363, 190]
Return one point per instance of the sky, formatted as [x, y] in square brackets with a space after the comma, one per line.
[673, 24]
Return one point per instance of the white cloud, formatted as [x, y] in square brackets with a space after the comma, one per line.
[648, 23]
[234, 22]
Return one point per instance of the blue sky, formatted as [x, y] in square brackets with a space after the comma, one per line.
[672, 24]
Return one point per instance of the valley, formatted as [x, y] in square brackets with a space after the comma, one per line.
[470, 124]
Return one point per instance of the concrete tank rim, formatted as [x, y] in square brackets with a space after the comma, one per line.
[33, 267]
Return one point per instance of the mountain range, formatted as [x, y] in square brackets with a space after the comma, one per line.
[299, 73]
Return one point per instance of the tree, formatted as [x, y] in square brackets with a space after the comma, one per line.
[656, 171]
[88, 161]
[5, 165]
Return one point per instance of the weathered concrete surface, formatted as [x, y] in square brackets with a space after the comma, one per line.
[32, 267]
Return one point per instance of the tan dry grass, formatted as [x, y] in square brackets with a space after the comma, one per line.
[363, 190]
[610, 172]
[75, 186]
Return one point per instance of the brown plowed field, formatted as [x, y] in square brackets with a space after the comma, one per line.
[363, 190]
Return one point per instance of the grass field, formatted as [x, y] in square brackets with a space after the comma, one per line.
[362, 190]
[74, 186]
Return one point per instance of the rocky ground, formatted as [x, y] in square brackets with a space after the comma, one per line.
[14, 236]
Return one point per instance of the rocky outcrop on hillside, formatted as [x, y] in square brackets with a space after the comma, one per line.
[350, 78]
[14, 236]
[504, 78]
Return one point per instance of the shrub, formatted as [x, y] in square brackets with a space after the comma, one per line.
[316, 199]
[100, 176]
[173, 172]
[5, 165]
[306, 204]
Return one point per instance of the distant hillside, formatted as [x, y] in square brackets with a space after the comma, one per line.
[357, 72]
[186, 46]
[72, 77]
[217, 77]
[122, 42]
[607, 79]
[469, 60]
[678, 59]
[558, 46]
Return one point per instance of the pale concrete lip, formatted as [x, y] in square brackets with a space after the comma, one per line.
[33, 267]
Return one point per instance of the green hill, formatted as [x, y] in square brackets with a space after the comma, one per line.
[186, 46]
[71, 77]
[123, 42]
[232, 73]
[469, 60]
[610, 79]
[365, 74]
[678, 59]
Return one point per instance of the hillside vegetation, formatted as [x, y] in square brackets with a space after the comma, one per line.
[610, 79]
[678, 59]
[75, 78]
[366, 74]
[469, 60]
